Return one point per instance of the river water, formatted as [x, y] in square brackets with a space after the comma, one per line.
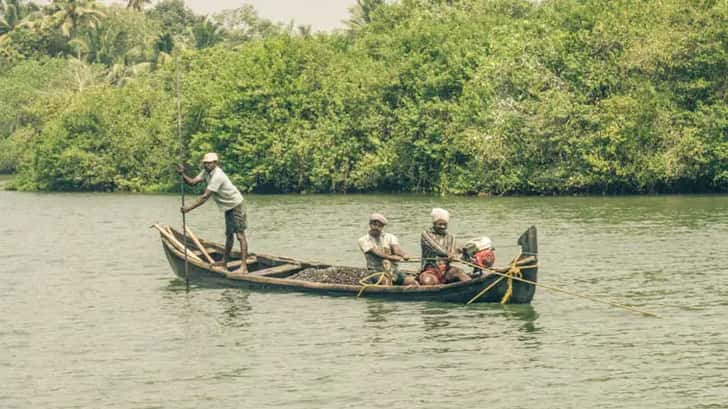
[91, 315]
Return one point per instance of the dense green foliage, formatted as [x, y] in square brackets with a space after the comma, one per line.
[459, 96]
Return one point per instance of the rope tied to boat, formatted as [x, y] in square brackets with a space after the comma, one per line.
[366, 284]
[514, 271]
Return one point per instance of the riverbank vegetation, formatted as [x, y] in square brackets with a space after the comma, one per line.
[458, 96]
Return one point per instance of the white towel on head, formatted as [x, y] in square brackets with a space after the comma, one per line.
[440, 214]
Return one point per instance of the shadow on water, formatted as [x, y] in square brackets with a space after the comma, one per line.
[235, 305]
[435, 315]
[479, 321]
[179, 301]
[236, 308]
[444, 323]
[377, 320]
[525, 314]
[176, 285]
[377, 311]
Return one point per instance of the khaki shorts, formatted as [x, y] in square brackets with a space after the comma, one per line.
[236, 220]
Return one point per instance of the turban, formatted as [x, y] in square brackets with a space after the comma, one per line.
[440, 214]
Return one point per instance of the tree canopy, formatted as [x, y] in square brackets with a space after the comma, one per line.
[459, 96]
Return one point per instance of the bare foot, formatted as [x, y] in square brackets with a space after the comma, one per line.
[242, 271]
[221, 263]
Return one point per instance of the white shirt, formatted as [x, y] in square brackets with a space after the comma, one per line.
[383, 243]
[226, 195]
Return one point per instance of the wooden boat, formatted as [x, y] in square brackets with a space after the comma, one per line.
[275, 273]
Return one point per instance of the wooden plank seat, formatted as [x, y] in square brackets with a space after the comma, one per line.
[235, 264]
[280, 270]
[209, 250]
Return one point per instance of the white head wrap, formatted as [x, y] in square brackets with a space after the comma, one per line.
[440, 214]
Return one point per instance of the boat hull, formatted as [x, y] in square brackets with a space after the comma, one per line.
[203, 274]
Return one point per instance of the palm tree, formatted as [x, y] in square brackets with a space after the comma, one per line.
[304, 30]
[207, 33]
[84, 75]
[12, 12]
[8, 17]
[70, 15]
[361, 13]
[137, 5]
[163, 49]
[120, 73]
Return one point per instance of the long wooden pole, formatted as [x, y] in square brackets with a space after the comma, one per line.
[561, 290]
[200, 246]
[181, 160]
[530, 259]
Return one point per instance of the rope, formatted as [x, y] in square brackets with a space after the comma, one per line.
[485, 290]
[514, 271]
[561, 290]
[366, 285]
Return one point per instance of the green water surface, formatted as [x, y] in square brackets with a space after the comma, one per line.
[93, 317]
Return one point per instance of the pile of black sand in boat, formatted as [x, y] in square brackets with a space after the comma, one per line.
[332, 275]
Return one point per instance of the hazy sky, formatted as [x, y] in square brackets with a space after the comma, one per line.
[320, 14]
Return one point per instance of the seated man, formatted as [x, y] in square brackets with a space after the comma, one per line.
[381, 251]
[438, 250]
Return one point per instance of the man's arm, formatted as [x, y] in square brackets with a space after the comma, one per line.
[392, 257]
[399, 252]
[456, 253]
[188, 180]
[199, 202]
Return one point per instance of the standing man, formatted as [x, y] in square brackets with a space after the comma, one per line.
[381, 248]
[228, 199]
[438, 250]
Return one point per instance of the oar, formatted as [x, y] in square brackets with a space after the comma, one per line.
[524, 261]
[199, 245]
[561, 290]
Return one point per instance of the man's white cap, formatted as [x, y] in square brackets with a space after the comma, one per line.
[440, 214]
[210, 157]
[378, 217]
